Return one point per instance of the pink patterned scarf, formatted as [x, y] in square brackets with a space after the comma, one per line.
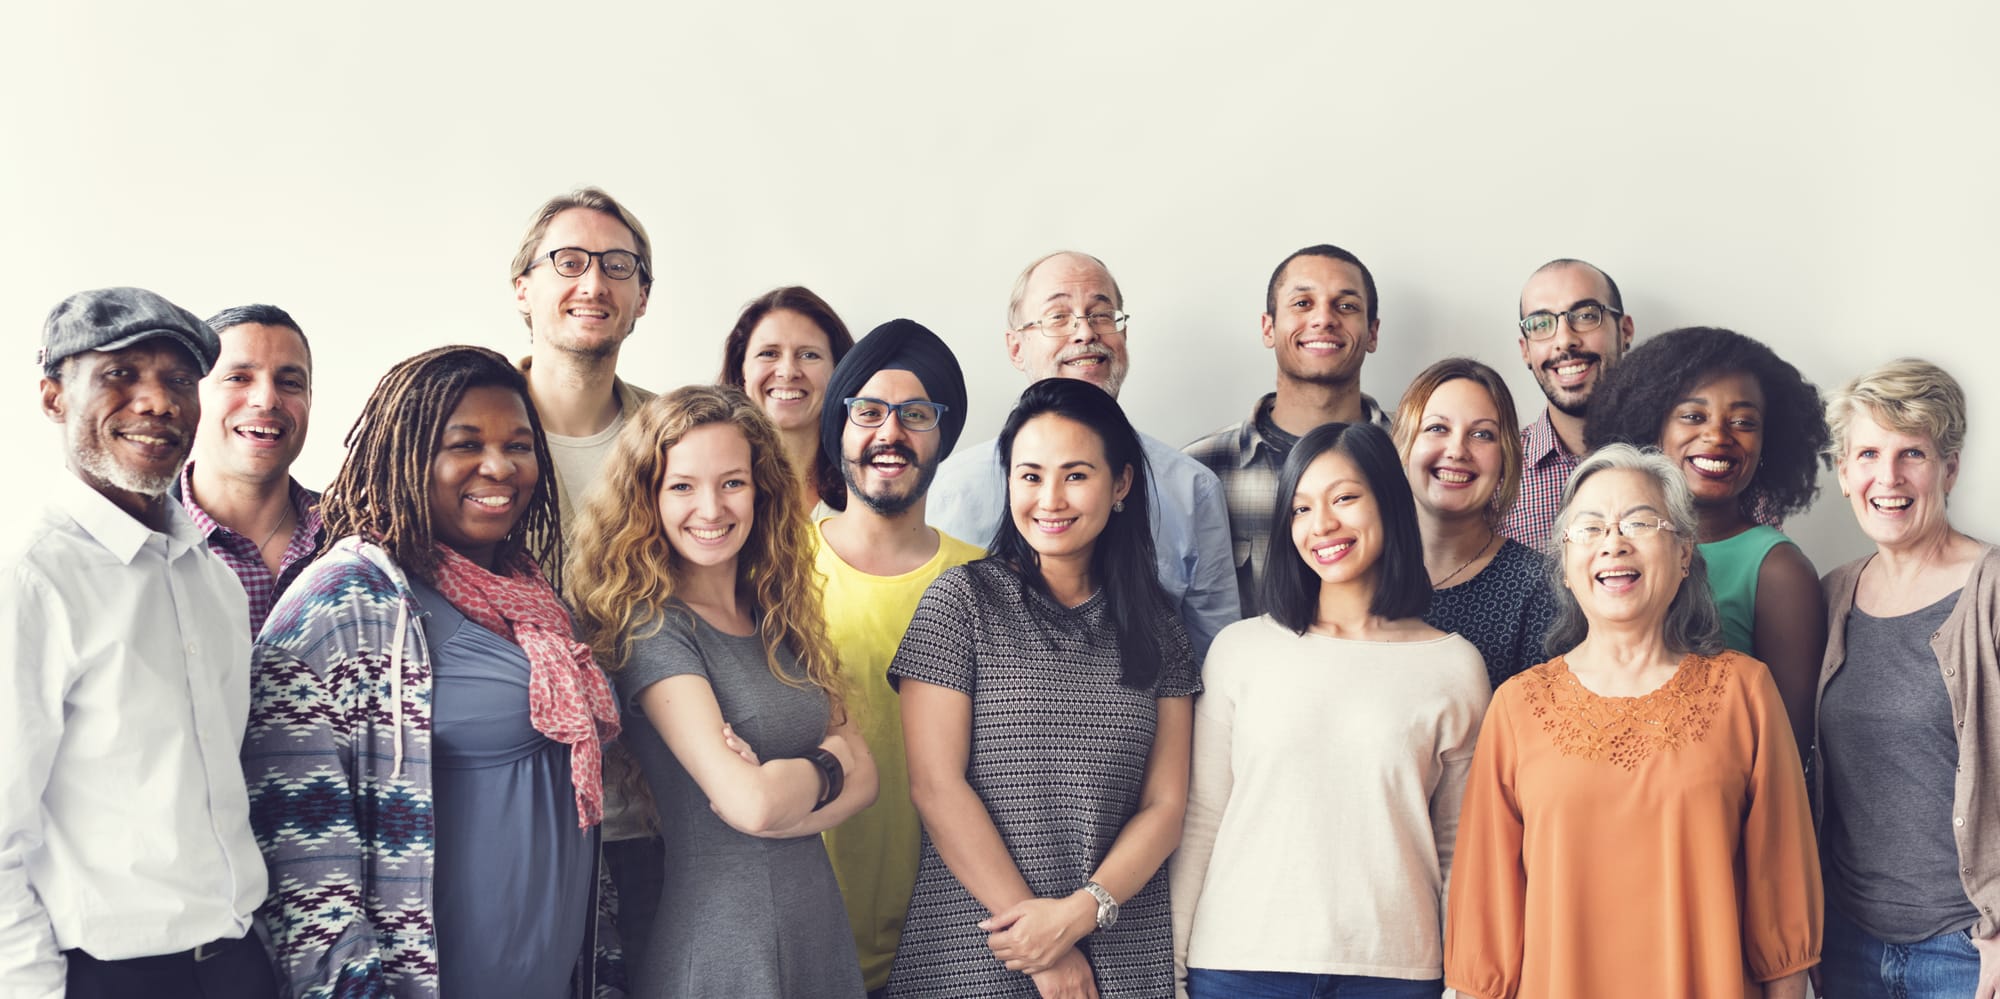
[569, 699]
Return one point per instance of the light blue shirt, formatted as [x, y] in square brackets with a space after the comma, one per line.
[1190, 526]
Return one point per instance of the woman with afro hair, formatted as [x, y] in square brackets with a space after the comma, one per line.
[1746, 430]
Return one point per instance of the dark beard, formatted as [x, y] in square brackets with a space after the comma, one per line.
[888, 506]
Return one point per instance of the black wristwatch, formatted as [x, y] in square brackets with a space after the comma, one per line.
[831, 777]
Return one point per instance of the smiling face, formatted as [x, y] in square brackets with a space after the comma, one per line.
[1321, 331]
[1716, 436]
[786, 364]
[1570, 365]
[484, 474]
[1896, 483]
[1078, 286]
[889, 468]
[1617, 579]
[1336, 524]
[589, 315]
[1456, 459]
[128, 417]
[1060, 488]
[708, 497]
[255, 404]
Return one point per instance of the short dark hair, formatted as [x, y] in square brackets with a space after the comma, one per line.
[1331, 252]
[262, 315]
[1641, 390]
[1290, 589]
[736, 348]
[1122, 560]
[1617, 301]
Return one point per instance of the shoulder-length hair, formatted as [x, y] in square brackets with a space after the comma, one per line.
[623, 571]
[382, 491]
[1290, 588]
[1410, 414]
[1122, 558]
[1641, 390]
[1692, 623]
[827, 477]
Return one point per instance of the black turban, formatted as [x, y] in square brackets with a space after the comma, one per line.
[898, 345]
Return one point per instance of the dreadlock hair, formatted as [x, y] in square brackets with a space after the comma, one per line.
[1641, 390]
[382, 491]
[1121, 558]
[624, 572]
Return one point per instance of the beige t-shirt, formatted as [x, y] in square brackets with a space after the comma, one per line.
[1324, 802]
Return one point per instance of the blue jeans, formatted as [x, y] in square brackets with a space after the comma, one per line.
[1206, 984]
[1855, 965]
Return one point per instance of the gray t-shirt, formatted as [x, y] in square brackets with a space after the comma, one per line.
[1891, 750]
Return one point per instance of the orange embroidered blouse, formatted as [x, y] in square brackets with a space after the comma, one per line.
[1655, 845]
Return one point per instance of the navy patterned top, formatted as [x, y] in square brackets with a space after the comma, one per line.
[1504, 611]
[1059, 750]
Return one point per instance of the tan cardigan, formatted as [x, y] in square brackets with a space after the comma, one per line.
[1968, 654]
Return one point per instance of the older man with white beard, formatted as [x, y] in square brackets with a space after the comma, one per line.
[1066, 319]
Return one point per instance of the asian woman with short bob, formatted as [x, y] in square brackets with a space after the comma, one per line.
[1343, 688]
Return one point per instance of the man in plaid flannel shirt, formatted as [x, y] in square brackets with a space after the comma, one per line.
[1569, 363]
[1320, 320]
[239, 489]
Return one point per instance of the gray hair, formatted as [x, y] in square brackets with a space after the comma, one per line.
[1692, 624]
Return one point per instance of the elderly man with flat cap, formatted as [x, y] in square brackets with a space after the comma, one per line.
[127, 865]
[895, 406]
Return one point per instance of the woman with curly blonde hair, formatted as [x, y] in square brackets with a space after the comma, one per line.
[693, 581]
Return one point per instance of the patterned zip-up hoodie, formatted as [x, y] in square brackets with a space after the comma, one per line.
[338, 762]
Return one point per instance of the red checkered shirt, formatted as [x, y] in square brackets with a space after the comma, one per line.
[1545, 466]
[240, 553]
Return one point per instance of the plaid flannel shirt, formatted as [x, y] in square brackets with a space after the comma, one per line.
[1248, 459]
[240, 554]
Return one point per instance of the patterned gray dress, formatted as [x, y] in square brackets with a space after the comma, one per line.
[1059, 751]
[739, 915]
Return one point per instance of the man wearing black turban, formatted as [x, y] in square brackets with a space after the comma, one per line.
[877, 558]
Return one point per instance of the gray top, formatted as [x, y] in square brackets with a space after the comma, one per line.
[1891, 751]
[1059, 754]
[739, 915]
[513, 871]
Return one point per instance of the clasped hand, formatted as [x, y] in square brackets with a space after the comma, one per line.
[1030, 936]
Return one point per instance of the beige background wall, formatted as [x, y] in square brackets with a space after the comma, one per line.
[1819, 175]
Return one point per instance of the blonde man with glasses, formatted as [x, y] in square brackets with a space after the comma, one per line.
[582, 278]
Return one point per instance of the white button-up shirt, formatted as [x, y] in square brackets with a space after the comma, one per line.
[124, 692]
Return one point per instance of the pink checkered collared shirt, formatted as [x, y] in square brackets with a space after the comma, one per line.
[1545, 466]
[240, 554]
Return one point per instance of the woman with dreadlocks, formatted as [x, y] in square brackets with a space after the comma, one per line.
[694, 581]
[425, 734]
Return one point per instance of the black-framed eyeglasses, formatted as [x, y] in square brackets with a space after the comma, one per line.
[574, 261]
[1582, 318]
[1060, 323]
[1590, 532]
[917, 415]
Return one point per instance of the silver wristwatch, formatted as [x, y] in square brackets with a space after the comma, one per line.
[1107, 907]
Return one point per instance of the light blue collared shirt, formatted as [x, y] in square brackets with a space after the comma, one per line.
[1190, 526]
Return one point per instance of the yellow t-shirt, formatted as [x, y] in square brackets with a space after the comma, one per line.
[875, 852]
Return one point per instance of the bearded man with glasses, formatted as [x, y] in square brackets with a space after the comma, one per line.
[1066, 319]
[1573, 329]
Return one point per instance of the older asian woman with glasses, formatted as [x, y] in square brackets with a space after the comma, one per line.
[1909, 707]
[1635, 821]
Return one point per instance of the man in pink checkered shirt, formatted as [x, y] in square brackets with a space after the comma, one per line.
[1573, 329]
[238, 489]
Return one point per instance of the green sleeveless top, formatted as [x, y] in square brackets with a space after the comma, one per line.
[1732, 575]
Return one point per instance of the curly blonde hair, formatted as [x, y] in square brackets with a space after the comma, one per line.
[623, 573]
